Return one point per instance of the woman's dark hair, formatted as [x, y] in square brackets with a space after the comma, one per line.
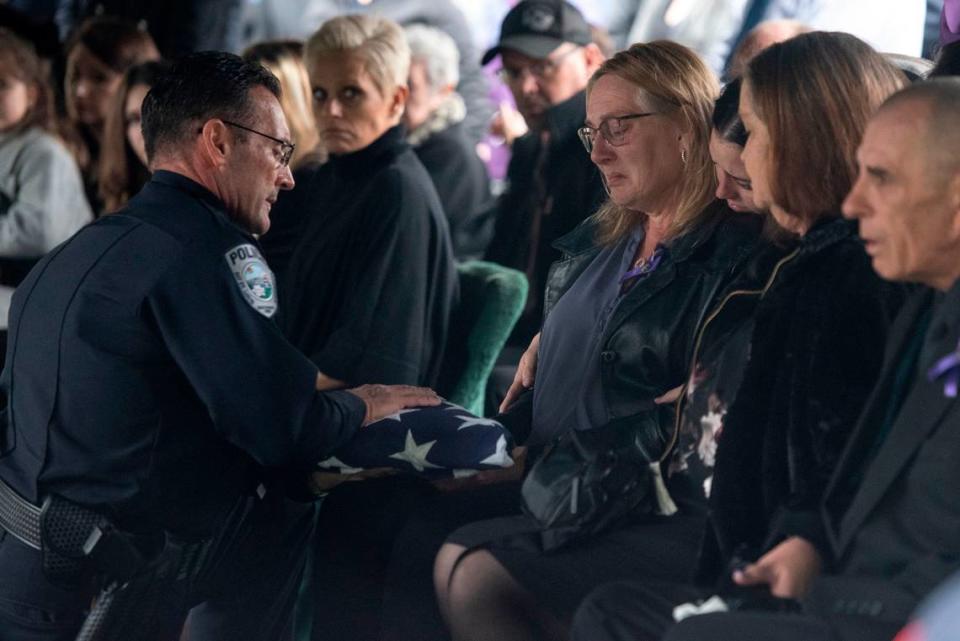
[117, 43]
[726, 118]
[196, 88]
[815, 93]
[22, 60]
[121, 172]
[948, 61]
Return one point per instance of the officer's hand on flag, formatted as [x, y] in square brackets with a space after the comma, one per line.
[384, 400]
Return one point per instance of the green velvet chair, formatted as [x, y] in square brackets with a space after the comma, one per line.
[491, 300]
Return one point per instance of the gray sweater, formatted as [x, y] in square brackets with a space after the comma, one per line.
[42, 202]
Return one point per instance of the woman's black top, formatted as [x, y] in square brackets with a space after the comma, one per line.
[367, 279]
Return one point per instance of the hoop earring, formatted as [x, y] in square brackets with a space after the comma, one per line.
[683, 156]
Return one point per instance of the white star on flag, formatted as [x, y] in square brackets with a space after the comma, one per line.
[470, 421]
[415, 454]
[500, 457]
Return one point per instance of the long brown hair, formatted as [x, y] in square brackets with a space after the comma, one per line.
[815, 93]
[121, 172]
[675, 76]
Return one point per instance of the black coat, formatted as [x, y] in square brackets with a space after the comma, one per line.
[363, 253]
[462, 184]
[648, 343]
[575, 191]
[891, 511]
[815, 353]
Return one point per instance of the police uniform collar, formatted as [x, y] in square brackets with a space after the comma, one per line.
[564, 118]
[380, 151]
[188, 185]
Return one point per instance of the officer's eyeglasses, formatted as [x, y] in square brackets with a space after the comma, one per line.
[541, 70]
[612, 129]
[286, 147]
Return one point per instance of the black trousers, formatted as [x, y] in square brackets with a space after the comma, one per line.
[373, 555]
[245, 590]
[643, 611]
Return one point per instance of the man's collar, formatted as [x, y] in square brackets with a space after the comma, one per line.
[190, 186]
[564, 118]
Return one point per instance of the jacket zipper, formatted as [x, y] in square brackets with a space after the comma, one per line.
[703, 328]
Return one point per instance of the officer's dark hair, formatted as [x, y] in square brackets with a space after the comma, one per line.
[196, 88]
[726, 119]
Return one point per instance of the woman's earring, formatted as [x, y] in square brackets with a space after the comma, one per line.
[683, 156]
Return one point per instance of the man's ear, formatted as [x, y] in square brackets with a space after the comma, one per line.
[215, 142]
[593, 57]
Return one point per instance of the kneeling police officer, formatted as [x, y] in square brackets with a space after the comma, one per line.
[150, 394]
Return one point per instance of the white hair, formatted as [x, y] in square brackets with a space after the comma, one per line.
[378, 41]
[437, 52]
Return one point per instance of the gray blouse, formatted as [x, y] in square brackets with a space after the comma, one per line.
[568, 393]
[42, 202]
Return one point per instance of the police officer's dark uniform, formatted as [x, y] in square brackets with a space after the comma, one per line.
[147, 381]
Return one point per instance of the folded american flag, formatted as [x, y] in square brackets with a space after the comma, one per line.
[435, 442]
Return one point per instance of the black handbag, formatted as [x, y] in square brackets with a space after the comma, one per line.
[587, 480]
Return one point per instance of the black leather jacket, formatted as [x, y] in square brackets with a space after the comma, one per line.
[648, 343]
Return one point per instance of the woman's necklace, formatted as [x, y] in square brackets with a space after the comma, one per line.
[644, 266]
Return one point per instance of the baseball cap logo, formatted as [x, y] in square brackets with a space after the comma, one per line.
[538, 18]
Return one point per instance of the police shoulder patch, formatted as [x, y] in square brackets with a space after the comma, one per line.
[254, 278]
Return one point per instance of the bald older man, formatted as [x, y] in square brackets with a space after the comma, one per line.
[891, 515]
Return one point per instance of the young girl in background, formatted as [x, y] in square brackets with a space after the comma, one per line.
[42, 201]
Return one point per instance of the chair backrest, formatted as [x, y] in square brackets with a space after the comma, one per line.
[491, 299]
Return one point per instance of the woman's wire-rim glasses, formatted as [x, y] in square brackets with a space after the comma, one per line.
[611, 129]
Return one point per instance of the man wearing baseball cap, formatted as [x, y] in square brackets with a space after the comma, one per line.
[547, 57]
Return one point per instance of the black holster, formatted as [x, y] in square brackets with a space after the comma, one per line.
[79, 544]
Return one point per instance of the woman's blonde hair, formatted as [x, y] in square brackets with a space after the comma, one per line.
[674, 76]
[284, 58]
[815, 93]
[379, 42]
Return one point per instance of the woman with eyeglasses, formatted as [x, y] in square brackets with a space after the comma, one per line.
[361, 243]
[623, 307]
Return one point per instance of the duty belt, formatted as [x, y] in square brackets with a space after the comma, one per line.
[19, 517]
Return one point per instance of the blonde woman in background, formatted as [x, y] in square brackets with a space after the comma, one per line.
[284, 58]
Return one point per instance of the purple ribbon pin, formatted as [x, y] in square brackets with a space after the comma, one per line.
[645, 267]
[948, 369]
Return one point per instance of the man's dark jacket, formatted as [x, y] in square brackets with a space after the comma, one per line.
[575, 191]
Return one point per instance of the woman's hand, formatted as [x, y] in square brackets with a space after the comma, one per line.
[526, 372]
[669, 397]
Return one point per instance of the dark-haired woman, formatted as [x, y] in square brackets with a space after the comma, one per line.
[123, 159]
[98, 54]
[814, 347]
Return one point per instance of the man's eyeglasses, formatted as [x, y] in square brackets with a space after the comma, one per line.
[286, 147]
[612, 129]
[541, 69]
